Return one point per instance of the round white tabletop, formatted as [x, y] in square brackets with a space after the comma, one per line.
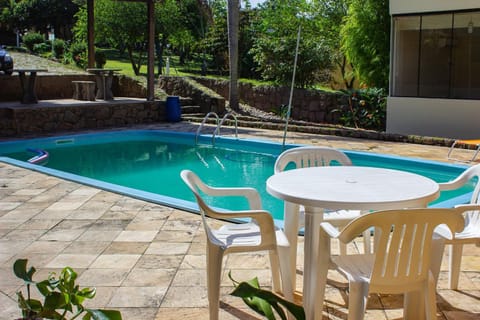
[353, 187]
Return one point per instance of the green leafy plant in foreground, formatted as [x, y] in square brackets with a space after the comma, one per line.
[263, 301]
[62, 297]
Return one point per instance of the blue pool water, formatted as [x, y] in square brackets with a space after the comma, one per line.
[147, 164]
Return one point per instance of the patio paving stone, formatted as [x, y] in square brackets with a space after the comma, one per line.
[116, 261]
[136, 235]
[119, 247]
[103, 277]
[148, 260]
[168, 248]
[138, 297]
[72, 260]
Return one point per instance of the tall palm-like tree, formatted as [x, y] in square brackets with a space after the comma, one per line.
[233, 21]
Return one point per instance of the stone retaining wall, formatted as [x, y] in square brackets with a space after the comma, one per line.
[308, 105]
[51, 119]
[206, 98]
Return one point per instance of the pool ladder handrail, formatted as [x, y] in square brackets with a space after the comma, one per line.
[217, 130]
[211, 113]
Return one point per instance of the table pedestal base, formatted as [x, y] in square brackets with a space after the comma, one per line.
[28, 87]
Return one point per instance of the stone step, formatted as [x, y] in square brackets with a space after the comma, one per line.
[190, 109]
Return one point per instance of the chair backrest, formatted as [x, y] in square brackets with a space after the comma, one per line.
[471, 217]
[404, 240]
[305, 157]
[195, 184]
[255, 214]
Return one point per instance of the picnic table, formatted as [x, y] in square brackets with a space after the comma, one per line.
[104, 79]
[27, 78]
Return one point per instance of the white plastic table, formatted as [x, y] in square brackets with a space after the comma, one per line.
[340, 187]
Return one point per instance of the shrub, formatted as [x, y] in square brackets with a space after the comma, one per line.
[31, 39]
[100, 58]
[58, 48]
[366, 109]
[43, 47]
[78, 50]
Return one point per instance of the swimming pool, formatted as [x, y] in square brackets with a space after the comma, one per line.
[146, 164]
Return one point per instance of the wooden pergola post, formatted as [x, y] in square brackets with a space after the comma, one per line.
[151, 51]
[90, 34]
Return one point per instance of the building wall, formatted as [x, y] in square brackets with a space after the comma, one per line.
[416, 6]
[448, 118]
[445, 118]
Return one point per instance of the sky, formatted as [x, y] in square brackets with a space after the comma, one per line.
[254, 3]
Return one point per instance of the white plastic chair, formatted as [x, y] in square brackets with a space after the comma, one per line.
[471, 233]
[304, 157]
[257, 235]
[402, 259]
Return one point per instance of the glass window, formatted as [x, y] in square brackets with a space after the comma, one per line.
[405, 57]
[437, 56]
[465, 78]
[435, 49]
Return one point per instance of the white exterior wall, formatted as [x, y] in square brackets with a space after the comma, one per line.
[416, 6]
[448, 118]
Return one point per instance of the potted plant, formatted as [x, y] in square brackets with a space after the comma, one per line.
[63, 298]
[264, 302]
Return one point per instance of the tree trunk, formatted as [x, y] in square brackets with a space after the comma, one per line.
[233, 21]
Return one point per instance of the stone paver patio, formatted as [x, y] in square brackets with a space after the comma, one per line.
[148, 260]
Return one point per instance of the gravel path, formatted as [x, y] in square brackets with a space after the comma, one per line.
[25, 60]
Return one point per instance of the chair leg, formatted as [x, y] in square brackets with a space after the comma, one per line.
[214, 273]
[286, 276]
[367, 241]
[357, 300]
[291, 232]
[437, 249]
[430, 298]
[275, 267]
[455, 259]
[343, 248]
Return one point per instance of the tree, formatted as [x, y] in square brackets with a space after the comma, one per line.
[275, 44]
[123, 24]
[41, 16]
[331, 15]
[248, 26]
[366, 40]
[215, 43]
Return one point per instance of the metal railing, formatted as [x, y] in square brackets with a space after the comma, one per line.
[211, 113]
[217, 130]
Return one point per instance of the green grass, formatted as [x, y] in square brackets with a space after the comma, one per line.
[121, 61]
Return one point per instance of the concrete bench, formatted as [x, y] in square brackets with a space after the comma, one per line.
[84, 90]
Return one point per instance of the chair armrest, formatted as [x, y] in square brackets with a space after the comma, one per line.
[254, 214]
[445, 232]
[452, 185]
[467, 207]
[330, 229]
[263, 219]
[462, 179]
